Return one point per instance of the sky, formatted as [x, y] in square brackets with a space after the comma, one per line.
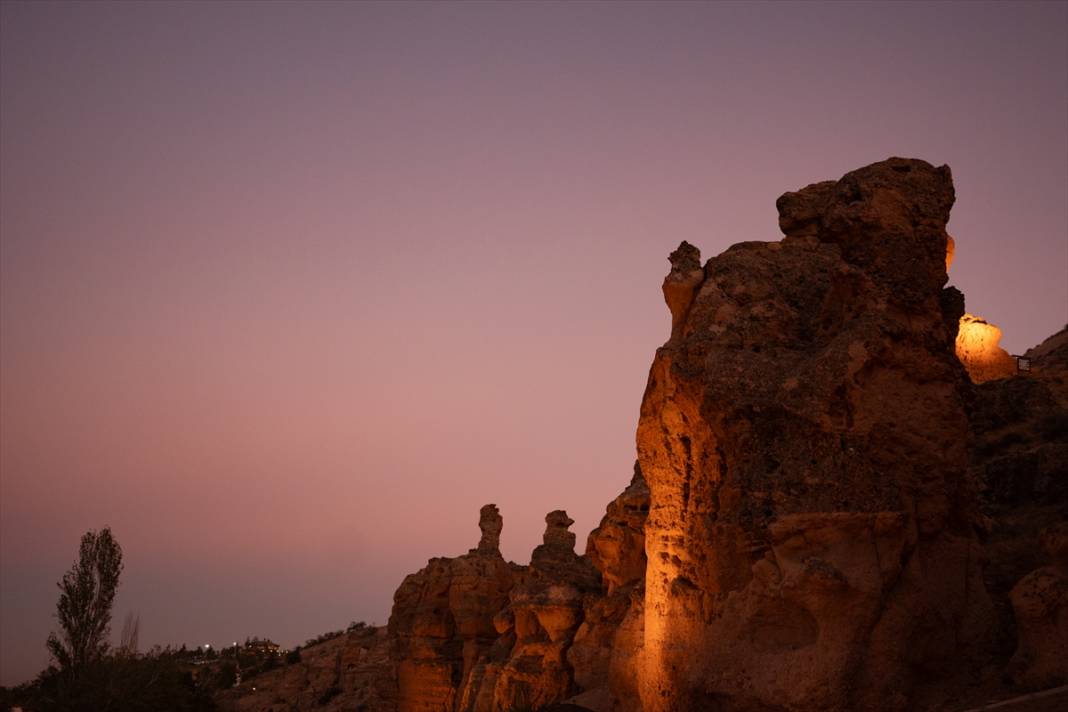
[289, 291]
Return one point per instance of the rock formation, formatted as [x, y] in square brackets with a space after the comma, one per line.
[844, 499]
[978, 348]
[811, 534]
[607, 645]
[476, 633]
[443, 620]
[544, 612]
[491, 524]
[1040, 602]
[1020, 459]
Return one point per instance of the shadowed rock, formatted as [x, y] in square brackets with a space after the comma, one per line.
[490, 522]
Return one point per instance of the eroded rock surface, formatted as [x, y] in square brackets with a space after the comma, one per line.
[478, 634]
[443, 620]
[544, 612]
[1040, 602]
[607, 646]
[1020, 459]
[979, 349]
[829, 511]
[811, 536]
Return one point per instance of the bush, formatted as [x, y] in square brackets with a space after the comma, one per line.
[329, 694]
[142, 683]
[323, 638]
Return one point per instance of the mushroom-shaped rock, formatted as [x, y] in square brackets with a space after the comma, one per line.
[557, 536]
[547, 608]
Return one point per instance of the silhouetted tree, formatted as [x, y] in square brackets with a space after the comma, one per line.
[131, 632]
[84, 609]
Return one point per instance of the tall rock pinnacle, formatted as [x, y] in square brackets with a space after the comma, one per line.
[804, 440]
[491, 523]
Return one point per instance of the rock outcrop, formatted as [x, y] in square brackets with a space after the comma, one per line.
[443, 620]
[846, 497]
[979, 349]
[478, 634]
[1040, 602]
[607, 646]
[1020, 459]
[811, 534]
[544, 612]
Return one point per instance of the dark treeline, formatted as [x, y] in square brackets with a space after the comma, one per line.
[88, 675]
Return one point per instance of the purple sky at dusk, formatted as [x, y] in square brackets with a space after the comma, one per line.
[288, 291]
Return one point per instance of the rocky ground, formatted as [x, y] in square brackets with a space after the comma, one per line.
[350, 672]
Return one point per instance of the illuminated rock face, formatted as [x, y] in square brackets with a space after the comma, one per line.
[607, 646]
[478, 634]
[442, 620]
[544, 612]
[810, 535]
[978, 348]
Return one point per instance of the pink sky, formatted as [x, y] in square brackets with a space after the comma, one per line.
[289, 291]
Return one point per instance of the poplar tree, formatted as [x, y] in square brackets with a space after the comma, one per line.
[84, 609]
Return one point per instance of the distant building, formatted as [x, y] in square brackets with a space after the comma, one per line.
[256, 646]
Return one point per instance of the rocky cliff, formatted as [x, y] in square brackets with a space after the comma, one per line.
[1020, 460]
[816, 491]
[812, 529]
[846, 497]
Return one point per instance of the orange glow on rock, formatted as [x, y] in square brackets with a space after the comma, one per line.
[951, 246]
[979, 350]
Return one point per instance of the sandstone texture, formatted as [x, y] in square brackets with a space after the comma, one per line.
[1040, 602]
[847, 497]
[478, 634]
[543, 615]
[811, 537]
[443, 620]
[979, 349]
[607, 646]
[1020, 459]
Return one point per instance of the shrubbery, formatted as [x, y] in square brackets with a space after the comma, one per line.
[159, 680]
